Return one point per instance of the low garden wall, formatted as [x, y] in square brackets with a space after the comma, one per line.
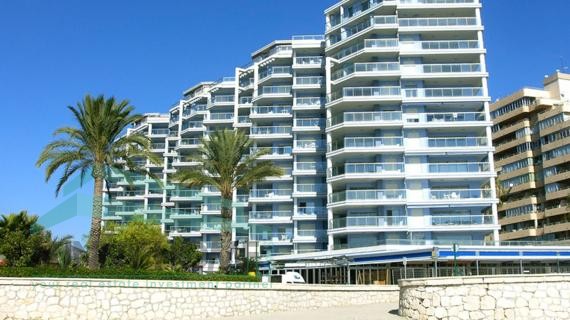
[153, 299]
[493, 297]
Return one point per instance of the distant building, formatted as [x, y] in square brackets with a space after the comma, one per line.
[531, 134]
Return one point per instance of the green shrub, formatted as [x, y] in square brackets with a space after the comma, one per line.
[115, 273]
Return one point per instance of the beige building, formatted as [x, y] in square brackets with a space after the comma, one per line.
[531, 134]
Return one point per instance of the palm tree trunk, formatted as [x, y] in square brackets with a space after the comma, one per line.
[226, 233]
[95, 233]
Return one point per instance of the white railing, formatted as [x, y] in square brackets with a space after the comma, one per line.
[443, 92]
[367, 195]
[437, 22]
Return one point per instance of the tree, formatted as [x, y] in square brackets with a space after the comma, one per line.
[183, 255]
[139, 245]
[94, 147]
[228, 165]
[26, 243]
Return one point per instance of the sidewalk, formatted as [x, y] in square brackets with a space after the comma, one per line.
[364, 312]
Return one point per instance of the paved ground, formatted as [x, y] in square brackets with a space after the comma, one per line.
[366, 312]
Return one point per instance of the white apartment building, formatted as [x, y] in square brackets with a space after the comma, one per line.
[381, 125]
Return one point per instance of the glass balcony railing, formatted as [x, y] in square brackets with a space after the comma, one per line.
[368, 43]
[132, 193]
[374, 116]
[269, 215]
[245, 100]
[437, 22]
[128, 209]
[318, 233]
[451, 68]
[461, 220]
[461, 167]
[273, 151]
[278, 70]
[309, 101]
[307, 81]
[211, 226]
[158, 146]
[356, 222]
[221, 116]
[317, 37]
[271, 110]
[366, 142]
[311, 187]
[160, 131]
[272, 236]
[192, 125]
[312, 122]
[210, 245]
[311, 211]
[275, 90]
[367, 195]
[310, 144]
[184, 229]
[456, 142]
[460, 194]
[223, 99]
[211, 206]
[449, 44]
[372, 67]
[185, 193]
[436, 1]
[283, 49]
[154, 207]
[366, 92]
[368, 168]
[244, 119]
[270, 193]
[443, 92]
[189, 142]
[311, 60]
[309, 166]
[271, 130]
[242, 198]
[185, 211]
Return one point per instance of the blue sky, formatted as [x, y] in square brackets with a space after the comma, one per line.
[54, 52]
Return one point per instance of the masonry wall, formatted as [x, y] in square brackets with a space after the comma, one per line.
[141, 299]
[497, 297]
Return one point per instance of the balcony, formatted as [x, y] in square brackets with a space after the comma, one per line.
[159, 133]
[243, 121]
[372, 69]
[367, 197]
[185, 162]
[211, 227]
[353, 15]
[448, 70]
[309, 146]
[427, 24]
[366, 171]
[157, 147]
[356, 94]
[446, 119]
[185, 213]
[189, 143]
[309, 168]
[271, 132]
[447, 94]
[308, 124]
[273, 153]
[274, 92]
[374, 22]
[184, 231]
[264, 217]
[361, 119]
[127, 210]
[312, 82]
[275, 72]
[457, 170]
[366, 145]
[210, 246]
[473, 145]
[130, 195]
[371, 224]
[438, 3]
[309, 103]
[310, 235]
[450, 197]
[368, 45]
[222, 100]
[258, 112]
[185, 195]
[310, 213]
[310, 190]
[193, 126]
[227, 117]
[270, 195]
[308, 62]
[241, 200]
[272, 238]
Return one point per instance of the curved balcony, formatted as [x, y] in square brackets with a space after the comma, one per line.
[367, 46]
[365, 119]
[366, 145]
[366, 171]
[371, 69]
[367, 197]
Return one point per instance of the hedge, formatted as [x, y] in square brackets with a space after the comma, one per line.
[48, 272]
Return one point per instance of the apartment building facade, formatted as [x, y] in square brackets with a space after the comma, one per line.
[381, 125]
[530, 132]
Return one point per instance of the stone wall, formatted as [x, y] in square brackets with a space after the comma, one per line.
[493, 297]
[141, 299]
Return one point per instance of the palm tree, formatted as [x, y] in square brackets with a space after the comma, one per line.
[21, 221]
[95, 147]
[228, 165]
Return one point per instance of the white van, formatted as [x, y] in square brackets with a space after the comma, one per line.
[288, 277]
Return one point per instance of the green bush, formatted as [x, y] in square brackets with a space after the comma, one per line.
[108, 273]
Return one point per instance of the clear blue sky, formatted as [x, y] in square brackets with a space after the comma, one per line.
[54, 52]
